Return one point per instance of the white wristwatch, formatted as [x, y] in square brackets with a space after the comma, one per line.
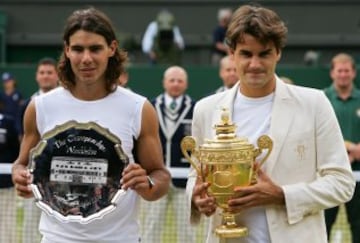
[151, 182]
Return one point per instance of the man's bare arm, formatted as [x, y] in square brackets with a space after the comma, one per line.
[151, 163]
[20, 173]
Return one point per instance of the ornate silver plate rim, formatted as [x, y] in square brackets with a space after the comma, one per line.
[38, 149]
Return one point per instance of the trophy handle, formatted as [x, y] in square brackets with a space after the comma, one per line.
[188, 144]
[264, 142]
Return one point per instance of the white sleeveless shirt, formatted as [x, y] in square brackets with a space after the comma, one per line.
[120, 112]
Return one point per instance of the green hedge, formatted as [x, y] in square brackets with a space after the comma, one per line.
[203, 80]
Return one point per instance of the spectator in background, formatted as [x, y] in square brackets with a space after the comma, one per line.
[47, 79]
[46, 76]
[10, 96]
[174, 108]
[312, 58]
[220, 49]
[162, 40]
[227, 73]
[9, 149]
[345, 98]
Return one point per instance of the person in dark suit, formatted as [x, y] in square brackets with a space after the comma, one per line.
[9, 149]
[219, 47]
[174, 109]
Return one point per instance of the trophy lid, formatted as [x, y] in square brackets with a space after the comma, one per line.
[226, 135]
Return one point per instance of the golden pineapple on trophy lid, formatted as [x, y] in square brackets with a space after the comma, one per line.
[226, 162]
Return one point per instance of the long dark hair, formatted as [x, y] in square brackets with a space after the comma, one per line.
[95, 21]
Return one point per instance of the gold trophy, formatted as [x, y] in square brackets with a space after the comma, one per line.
[226, 162]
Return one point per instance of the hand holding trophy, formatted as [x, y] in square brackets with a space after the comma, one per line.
[226, 162]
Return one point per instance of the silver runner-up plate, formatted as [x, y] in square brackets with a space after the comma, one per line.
[76, 170]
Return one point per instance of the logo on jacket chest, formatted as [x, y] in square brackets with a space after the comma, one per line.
[300, 151]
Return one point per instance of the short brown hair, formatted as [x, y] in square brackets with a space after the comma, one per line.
[342, 57]
[47, 61]
[259, 22]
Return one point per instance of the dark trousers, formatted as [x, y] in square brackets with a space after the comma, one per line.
[352, 212]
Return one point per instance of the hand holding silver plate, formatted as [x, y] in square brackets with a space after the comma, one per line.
[76, 170]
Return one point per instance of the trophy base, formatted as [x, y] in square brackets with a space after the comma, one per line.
[231, 232]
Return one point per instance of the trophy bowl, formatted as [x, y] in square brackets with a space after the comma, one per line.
[226, 162]
[76, 170]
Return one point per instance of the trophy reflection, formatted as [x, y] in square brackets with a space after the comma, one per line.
[226, 162]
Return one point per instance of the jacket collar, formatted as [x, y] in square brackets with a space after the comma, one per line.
[282, 115]
[160, 109]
